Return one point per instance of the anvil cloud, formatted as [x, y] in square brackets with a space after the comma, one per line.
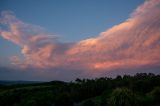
[131, 44]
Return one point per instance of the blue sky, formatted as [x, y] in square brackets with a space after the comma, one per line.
[72, 20]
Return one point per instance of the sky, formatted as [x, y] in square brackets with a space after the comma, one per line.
[63, 40]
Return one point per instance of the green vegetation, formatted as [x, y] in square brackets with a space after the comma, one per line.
[139, 90]
[122, 97]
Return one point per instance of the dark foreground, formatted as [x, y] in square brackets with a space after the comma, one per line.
[139, 90]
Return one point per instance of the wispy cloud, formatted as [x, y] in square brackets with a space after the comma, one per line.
[133, 43]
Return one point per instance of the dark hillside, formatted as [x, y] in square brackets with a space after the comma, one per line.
[139, 90]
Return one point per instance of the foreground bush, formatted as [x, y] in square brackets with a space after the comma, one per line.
[122, 97]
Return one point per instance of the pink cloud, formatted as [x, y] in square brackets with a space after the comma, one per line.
[133, 43]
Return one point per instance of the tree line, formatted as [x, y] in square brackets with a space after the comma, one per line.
[142, 89]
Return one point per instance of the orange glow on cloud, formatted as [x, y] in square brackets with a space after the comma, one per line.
[133, 43]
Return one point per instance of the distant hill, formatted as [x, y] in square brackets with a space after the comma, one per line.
[8, 82]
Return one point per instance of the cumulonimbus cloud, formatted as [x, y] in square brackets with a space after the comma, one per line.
[133, 43]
